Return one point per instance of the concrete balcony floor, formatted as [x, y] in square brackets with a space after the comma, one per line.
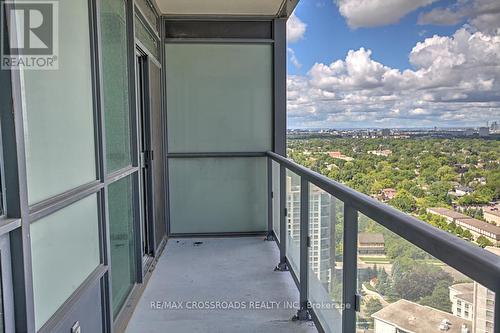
[237, 270]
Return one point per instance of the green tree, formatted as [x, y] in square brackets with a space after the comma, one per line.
[372, 305]
[404, 201]
[440, 297]
[483, 241]
[467, 235]
[419, 280]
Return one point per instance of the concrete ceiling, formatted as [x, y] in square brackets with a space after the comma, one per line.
[227, 7]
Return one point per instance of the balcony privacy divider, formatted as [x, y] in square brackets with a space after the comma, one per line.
[480, 265]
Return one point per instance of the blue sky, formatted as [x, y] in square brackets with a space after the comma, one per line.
[429, 93]
[328, 36]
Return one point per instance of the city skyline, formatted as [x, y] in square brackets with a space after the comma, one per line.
[353, 63]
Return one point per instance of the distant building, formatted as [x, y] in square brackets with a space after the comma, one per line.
[385, 132]
[335, 154]
[388, 194]
[484, 131]
[384, 152]
[339, 155]
[495, 127]
[406, 316]
[371, 244]
[475, 226]
[462, 300]
[461, 190]
[321, 252]
[484, 305]
[492, 214]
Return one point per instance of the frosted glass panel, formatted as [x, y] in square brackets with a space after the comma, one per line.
[65, 250]
[58, 112]
[121, 225]
[219, 97]
[218, 194]
[115, 84]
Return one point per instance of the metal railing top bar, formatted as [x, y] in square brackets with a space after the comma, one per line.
[216, 154]
[479, 264]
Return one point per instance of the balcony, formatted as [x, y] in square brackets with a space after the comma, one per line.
[236, 272]
[149, 168]
[319, 282]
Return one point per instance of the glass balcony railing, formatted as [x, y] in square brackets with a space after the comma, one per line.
[363, 266]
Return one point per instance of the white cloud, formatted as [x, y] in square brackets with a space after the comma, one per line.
[455, 81]
[295, 29]
[483, 15]
[372, 13]
[293, 58]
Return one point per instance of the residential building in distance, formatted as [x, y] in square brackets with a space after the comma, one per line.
[462, 300]
[371, 244]
[484, 305]
[461, 190]
[474, 302]
[405, 316]
[339, 155]
[385, 132]
[383, 152]
[492, 214]
[475, 226]
[387, 194]
[320, 214]
[484, 131]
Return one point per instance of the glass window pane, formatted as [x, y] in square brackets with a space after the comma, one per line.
[403, 286]
[121, 225]
[325, 257]
[275, 167]
[115, 84]
[218, 194]
[219, 97]
[146, 38]
[58, 112]
[65, 250]
[293, 220]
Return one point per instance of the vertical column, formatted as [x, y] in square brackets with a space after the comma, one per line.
[333, 224]
[100, 135]
[269, 236]
[350, 268]
[303, 313]
[282, 265]
[17, 193]
[279, 35]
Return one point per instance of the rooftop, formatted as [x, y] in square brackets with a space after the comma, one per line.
[368, 237]
[413, 317]
[466, 287]
[464, 219]
[464, 291]
[449, 213]
[492, 210]
[485, 226]
[468, 297]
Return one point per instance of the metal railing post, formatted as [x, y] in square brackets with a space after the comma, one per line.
[269, 236]
[303, 312]
[282, 265]
[349, 293]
